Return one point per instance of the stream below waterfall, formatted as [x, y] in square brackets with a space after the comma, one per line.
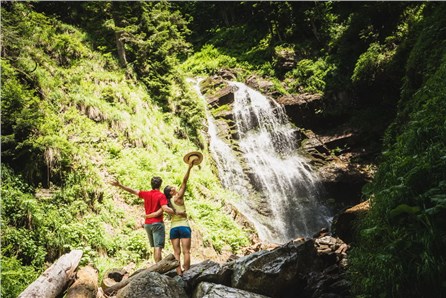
[278, 192]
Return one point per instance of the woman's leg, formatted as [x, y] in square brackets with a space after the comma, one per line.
[177, 253]
[185, 244]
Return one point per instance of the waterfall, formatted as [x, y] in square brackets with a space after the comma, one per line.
[278, 190]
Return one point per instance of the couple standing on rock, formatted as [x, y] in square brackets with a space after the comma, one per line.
[172, 202]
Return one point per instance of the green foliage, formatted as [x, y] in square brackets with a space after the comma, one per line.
[133, 247]
[207, 61]
[15, 277]
[158, 40]
[220, 230]
[308, 76]
[68, 127]
[402, 241]
[371, 64]
[22, 117]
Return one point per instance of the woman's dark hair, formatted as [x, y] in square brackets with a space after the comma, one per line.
[167, 190]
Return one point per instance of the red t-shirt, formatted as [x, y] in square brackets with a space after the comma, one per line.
[153, 200]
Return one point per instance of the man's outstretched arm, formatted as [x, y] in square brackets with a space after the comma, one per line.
[128, 189]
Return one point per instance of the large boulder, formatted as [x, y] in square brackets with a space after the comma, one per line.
[332, 282]
[277, 272]
[152, 284]
[344, 223]
[204, 271]
[210, 290]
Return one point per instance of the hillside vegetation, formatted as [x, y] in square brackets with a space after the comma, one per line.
[72, 120]
[404, 237]
[97, 90]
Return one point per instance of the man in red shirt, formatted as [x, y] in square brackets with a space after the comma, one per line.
[153, 200]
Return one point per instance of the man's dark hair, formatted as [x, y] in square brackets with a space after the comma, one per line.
[156, 182]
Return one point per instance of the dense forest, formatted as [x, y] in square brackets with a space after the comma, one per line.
[91, 91]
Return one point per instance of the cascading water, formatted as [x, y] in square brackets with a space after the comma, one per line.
[279, 192]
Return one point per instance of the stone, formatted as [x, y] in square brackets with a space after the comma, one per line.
[222, 97]
[152, 284]
[204, 271]
[277, 271]
[210, 290]
[343, 222]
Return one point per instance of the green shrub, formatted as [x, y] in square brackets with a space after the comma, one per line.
[372, 63]
[15, 277]
[308, 76]
[221, 231]
[207, 61]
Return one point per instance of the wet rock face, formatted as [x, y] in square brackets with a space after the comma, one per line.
[217, 91]
[223, 97]
[343, 181]
[303, 109]
[335, 150]
[343, 161]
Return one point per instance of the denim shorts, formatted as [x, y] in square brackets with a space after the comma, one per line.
[156, 233]
[180, 233]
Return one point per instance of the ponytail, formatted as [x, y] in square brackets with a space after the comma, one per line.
[167, 190]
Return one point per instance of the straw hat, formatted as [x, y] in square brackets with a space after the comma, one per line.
[194, 156]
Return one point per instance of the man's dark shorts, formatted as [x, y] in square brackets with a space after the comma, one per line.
[156, 233]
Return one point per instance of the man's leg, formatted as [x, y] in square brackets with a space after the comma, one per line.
[149, 232]
[159, 235]
[157, 252]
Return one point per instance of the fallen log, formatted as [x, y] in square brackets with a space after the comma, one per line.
[112, 277]
[166, 264]
[86, 284]
[53, 281]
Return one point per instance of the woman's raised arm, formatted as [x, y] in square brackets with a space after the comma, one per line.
[184, 183]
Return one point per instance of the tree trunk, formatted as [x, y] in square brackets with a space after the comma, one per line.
[86, 284]
[224, 15]
[314, 29]
[121, 49]
[53, 281]
[166, 264]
